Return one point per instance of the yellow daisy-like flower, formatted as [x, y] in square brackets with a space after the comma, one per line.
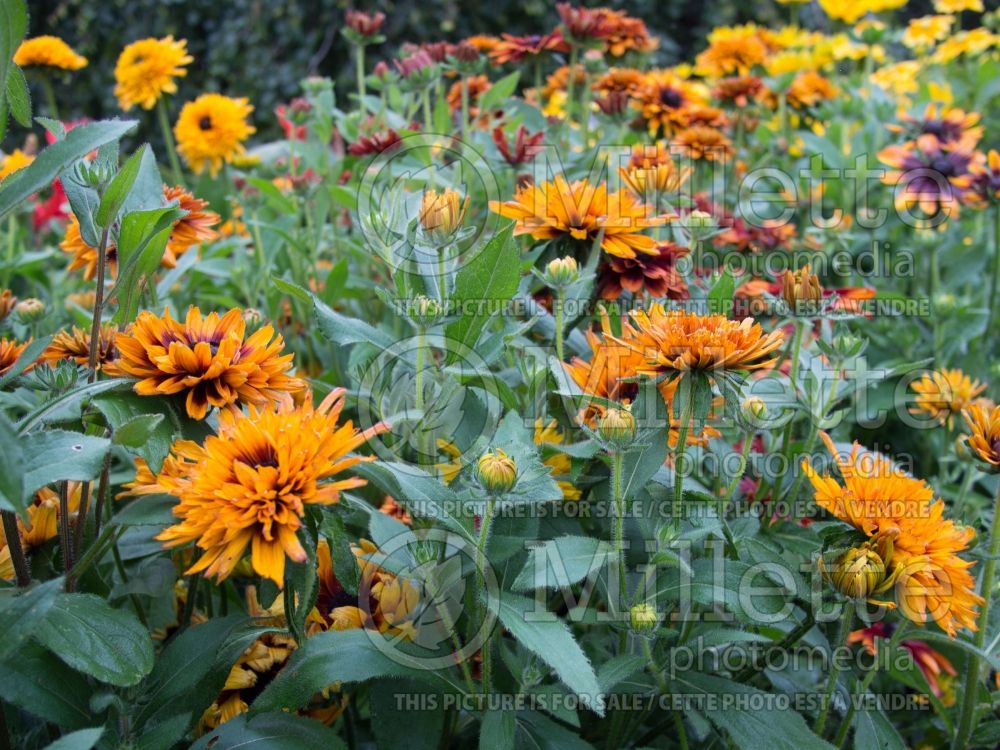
[209, 359]
[809, 89]
[983, 420]
[972, 42]
[247, 487]
[211, 130]
[581, 211]
[679, 341]
[665, 100]
[14, 161]
[944, 393]
[146, 70]
[734, 53]
[883, 502]
[50, 52]
[560, 465]
[898, 78]
[652, 173]
[957, 6]
[922, 33]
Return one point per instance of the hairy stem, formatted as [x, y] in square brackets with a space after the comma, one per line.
[831, 683]
[13, 537]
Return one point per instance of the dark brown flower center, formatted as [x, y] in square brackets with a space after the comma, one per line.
[205, 123]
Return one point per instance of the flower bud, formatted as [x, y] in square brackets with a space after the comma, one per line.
[617, 427]
[754, 408]
[858, 573]
[424, 311]
[802, 291]
[441, 213]
[30, 309]
[562, 272]
[643, 618]
[497, 472]
[700, 219]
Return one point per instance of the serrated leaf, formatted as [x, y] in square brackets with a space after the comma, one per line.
[11, 468]
[271, 731]
[498, 730]
[551, 640]
[39, 683]
[21, 613]
[68, 405]
[490, 278]
[19, 96]
[874, 731]
[89, 635]
[54, 455]
[135, 432]
[336, 656]
[343, 559]
[562, 561]
[726, 704]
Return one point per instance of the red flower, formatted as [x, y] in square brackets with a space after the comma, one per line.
[53, 208]
[364, 24]
[523, 150]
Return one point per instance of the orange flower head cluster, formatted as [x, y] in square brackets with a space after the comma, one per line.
[74, 346]
[247, 487]
[581, 211]
[679, 341]
[211, 360]
[983, 420]
[883, 502]
[942, 394]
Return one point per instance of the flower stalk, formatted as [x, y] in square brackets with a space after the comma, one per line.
[845, 630]
[13, 537]
[974, 664]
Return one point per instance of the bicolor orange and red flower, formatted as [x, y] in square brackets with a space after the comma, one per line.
[210, 360]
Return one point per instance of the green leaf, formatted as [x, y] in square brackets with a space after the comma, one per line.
[344, 330]
[83, 739]
[11, 468]
[137, 430]
[341, 556]
[55, 455]
[109, 644]
[491, 277]
[498, 730]
[50, 163]
[726, 704]
[13, 25]
[562, 561]
[271, 731]
[19, 97]
[335, 656]
[720, 297]
[68, 405]
[118, 189]
[422, 729]
[192, 669]
[141, 242]
[122, 409]
[874, 731]
[498, 93]
[39, 683]
[552, 641]
[21, 613]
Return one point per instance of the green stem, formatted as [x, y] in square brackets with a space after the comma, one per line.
[681, 732]
[424, 451]
[570, 89]
[995, 283]
[11, 247]
[680, 453]
[845, 725]
[740, 468]
[484, 536]
[50, 98]
[786, 439]
[13, 537]
[793, 637]
[557, 308]
[65, 538]
[974, 664]
[831, 683]
[465, 107]
[168, 140]
[426, 97]
[661, 685]
[95, 326]
[618, 536]
[359, 58]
